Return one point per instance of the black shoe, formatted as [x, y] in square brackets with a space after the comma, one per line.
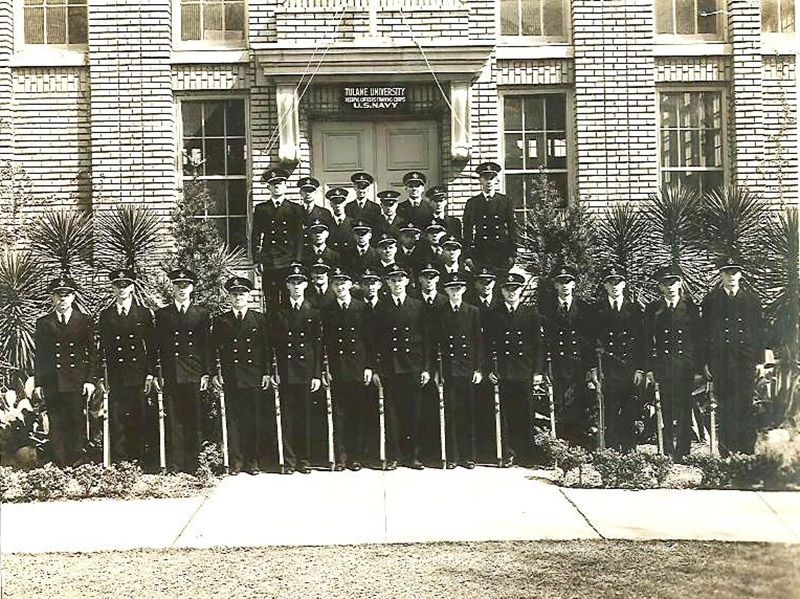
[391, 465]
[288, 470]
[416, 465]
[508, 462]
[253, 471]
[451, 465]
[338, 467]
[234, 471]
[469, 465]
[304, 468]
[354, 466]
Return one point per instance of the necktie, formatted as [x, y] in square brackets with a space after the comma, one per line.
[564, 307]
[62, 319]
[239, 316]
[182, 310]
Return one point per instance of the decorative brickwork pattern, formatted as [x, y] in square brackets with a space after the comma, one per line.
[701, 69]
[187, 78]
[539, 72]
[6, 80]
[779, 166]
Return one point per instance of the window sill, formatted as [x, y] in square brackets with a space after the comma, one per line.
[49, 57]
[210, 56]
[690, 48]
[533, 52]
[777, 43]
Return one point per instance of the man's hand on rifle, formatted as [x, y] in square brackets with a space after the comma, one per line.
[424, 378]
[638, 378]
[101, 386]
[591, 378]
[217, 382]
[148, 384]
[275, 379]
[258, 268]
[367, 376]
[88, 389]
[477, 377]
[707, 373]
[265, 381]
[327, 379]
[493, 378]
[650, 379]
[38, 393]
[315, 385]
[204, 380]
[538, 380]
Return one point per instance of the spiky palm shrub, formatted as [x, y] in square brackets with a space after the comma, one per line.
[782, 292]
[127, 236]
[554, 231]
[623, 236]
[673, 216]
[201, 248]
[22, 298]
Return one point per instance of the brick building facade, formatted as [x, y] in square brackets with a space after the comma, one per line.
[118, 99]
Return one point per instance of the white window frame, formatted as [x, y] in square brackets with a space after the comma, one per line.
[533, 40]
[178, 44]
[678, 38]
[540, 90]
[45, 54]
[780, 34]
[660, 90]
[248, 175]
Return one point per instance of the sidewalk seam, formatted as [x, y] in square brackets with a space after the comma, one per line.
[575, 505]
[189, 521]
[778, 516]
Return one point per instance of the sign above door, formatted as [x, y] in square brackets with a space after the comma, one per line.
[373, 98]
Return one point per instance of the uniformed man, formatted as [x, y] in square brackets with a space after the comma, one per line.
[672, 327]
[490, 229]
[403, 346]
[361, 255]
[389, 222]
[415, 208]
[733, 334]
[514, 333]
[341, 229]
[387, 251]
[347, 336]
[183, 341]
[296, 335]
[438, 198]
[412, 253]
[458, 338]
[451, 262]
[362, 207]
[277, 238]
[241, 343]
[317, 249]
[618, 326]
[127, 366]
[320, 293]
[312, 211]
[434, 233]
[63, 369]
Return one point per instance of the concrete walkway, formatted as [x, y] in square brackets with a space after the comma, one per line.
[403, 506]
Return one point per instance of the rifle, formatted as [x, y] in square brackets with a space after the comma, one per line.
[601, 409]
[381, 423]
[328, 407]
[162, 434]
[498, 428]
[278, 419]
[712, 406]
[226, 460]
[442, 431]
[550, 396]
[659, 419]
[106, 432]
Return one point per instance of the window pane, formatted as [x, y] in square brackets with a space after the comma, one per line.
[787, 16]
[685, 17]
[236, 160]
[559, 180]
[234, 114]
[553, 17]
[534, 150]
[56, 21]
[192, 113]
[514, 190]
[218, 206]
[509, 17]
[669, 149]
[214, 113]
[237, 197]
[190, 22]
[212, 22]
[669, 110]
[234, 21]
[712, 110]
[237, 228]
[77, 25]
[534, 113]
[664, 16]
[192, 155]
[690, 148]
[708, 16]
[711, 179]
[769, 16]
[514, 150]
[712, 147]
[222, 227]
[215, 156]
[556, 150]
[556, 109]
[512, 113]
[531, 17]
[34, 25]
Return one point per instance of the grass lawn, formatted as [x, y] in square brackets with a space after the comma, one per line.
[513, 570]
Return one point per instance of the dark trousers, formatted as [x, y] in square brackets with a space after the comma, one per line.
[734, 387]
[349, 411]
[67, 425]
[675, 383]
[620, 397]
[184, 418]
[296, 416]
[574, 408]
[273, 287]
[243, 407]
[485, 425]
[515, 408]
[127, 424]
[402, 396]
[430, 446]
[459, 418]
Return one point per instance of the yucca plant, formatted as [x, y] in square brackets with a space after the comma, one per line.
[127, 236]
[22, 301]
[623, 234]
[673, 216]
[781, 279]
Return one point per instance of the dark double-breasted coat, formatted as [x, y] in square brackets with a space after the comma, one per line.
[184, 343]
[515, 338]
[347, 338]
[568, 337]
[370, 212]
[282, 231]
[65, 353]
[341, 234]
[421, 214]
[243, 348]
[401, 335]
[127, 345]
[490, 230]
[296, 336]
[459, 339]
[355, 262]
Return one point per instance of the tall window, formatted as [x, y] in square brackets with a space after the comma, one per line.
[215, 150]
[777, 16]
[55, 22]
[533, 18]
[218, 22]
[701, 18]
[535, 141]
[691, 137]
